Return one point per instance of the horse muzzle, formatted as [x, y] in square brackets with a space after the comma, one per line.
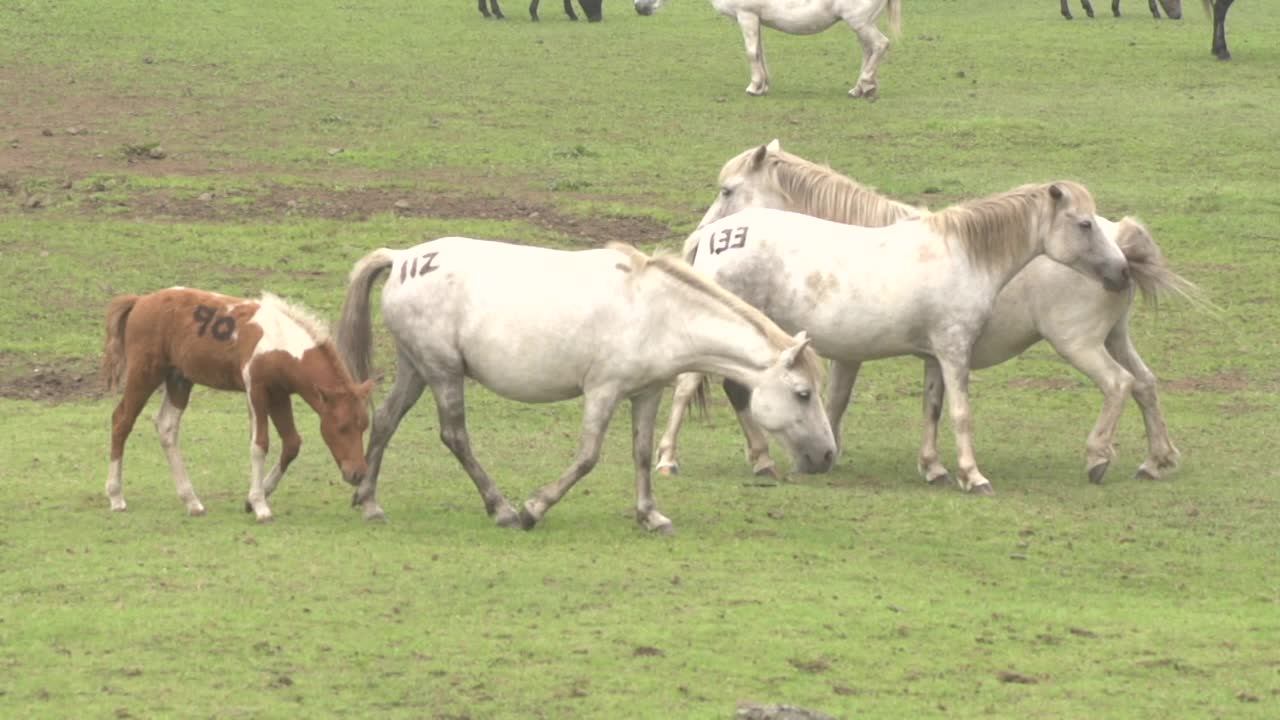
[1116, 280]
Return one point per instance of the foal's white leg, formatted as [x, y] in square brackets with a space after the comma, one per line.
[1162, 456]
[750, 24]
[453, 433]
[929, 464]
[686, 387]
[644, 416]
[598, 407]
[840, 381]
[260, 439]
[956, 377]
[874, 47]
[404, 393]
[176, 394]
[1115, 384]
[762, 464]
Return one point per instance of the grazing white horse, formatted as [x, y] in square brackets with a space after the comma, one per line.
[1086, 324]
[924, 286]
[540, 325]
[807, 17]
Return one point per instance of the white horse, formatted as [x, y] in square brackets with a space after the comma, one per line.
[923, 286]
[807, 17]
[1086, 324]
[540, 325]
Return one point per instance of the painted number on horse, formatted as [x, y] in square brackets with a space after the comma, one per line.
[221, 328]
[726, 239]
[418, 269]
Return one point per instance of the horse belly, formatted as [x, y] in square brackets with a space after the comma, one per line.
[529, 370]
[795, 17]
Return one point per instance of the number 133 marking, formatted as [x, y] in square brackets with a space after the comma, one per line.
[726, 239]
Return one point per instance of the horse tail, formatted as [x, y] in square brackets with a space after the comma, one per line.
[895, 17]
[1150, 269]
[114, 360]
[355, 329]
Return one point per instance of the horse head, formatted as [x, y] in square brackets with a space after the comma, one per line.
[648, 7]
[745, 182]
[344, 416]
[1076, 239]
[787, 404]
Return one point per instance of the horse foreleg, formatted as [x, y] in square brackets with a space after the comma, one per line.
[874, 46]
[568, 10]
[1162, 456]
[404, 393]
[644, 416]
[497, 11]
[1115, 383]
[1220, 8]
[259, 442]
[757, 442]
[177, 393]
[280, 408]
[1088, 7]
[138, 386]
[840, 383]
[533, 10]
[929, 464]
[1115, 7]
[686, 387]
[750, 25]
[1155, 10]
[598, 409]
[955, 376]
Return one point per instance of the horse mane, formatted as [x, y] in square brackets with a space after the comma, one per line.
[992, 230]
[822, 192]
[679, 270]
[1149, 268]
[306, 319]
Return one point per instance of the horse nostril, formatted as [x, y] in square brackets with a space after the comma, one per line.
[829, 456]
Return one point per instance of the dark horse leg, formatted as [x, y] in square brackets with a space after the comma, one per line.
[591, 8]
[1220, 8]
[568, 10]
[497, 11]
[1115, 7]
[1066, 11]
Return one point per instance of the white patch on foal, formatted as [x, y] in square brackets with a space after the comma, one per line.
[286, 327]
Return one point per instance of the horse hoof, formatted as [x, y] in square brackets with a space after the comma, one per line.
[669, 469]
[507, 517]
[937, 480]
[1145, 474]
[375, 515]
[266, 519]
[118, 506]
[983, 489]
[768, 471]
[1097, 471]
[527, 520]
[197, 511]
[248, 506]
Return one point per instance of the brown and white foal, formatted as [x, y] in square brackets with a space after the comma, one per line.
[267, 348]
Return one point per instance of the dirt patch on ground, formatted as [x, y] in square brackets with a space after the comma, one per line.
[1039, 383]
[53, 381]
[1228, 381]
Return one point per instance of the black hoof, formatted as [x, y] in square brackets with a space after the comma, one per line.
[1143, 474]
[943, 479]
[527, 521]
[1097, 471]
[983, 490]
[248, 507]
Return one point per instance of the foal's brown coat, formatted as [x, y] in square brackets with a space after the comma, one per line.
[266, 348]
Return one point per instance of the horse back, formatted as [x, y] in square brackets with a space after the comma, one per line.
[205, 336]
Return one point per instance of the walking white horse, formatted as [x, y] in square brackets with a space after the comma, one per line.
[540, 325]
[807, 17]
[923, 286]
[1086, 324]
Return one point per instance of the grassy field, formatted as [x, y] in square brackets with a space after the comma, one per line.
[249, 146]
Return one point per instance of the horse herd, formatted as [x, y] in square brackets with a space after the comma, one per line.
[808, 17]
[791, 261]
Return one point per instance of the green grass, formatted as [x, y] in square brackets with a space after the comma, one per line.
[862, 593]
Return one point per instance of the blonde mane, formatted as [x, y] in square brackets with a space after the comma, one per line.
[681, 271]
[993, 230]
[819, 191]
[307, 320]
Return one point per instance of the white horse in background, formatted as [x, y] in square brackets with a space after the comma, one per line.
[1086, 324]
[923, 286]
[540, 325]
[807, 17]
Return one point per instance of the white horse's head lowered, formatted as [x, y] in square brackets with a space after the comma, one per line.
[648, 7]
[788, 405]
[1076, 238]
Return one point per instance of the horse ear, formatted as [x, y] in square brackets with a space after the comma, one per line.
[792, 354]
[757, 160]
[774, 145]
[1055, 192]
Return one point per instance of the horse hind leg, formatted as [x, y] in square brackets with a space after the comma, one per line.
[840, 382]
[686, 388]
[496, 13]
[749, 23]
[1115, 7]
[1162, 456]
[140, 382]
[874, 46]
[177, 393]
[404, 394]
[453, 433]
[929, 464]
[568, 10]
[1088, 7]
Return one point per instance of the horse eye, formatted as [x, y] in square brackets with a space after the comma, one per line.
[803, 395]
[726, 191]
[1086, 224]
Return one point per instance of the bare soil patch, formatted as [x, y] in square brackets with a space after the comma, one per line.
[52, 381]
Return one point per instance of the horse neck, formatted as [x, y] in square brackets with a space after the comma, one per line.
[710, 336]
[1000, 256]
[825, 193]
[318, 369]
